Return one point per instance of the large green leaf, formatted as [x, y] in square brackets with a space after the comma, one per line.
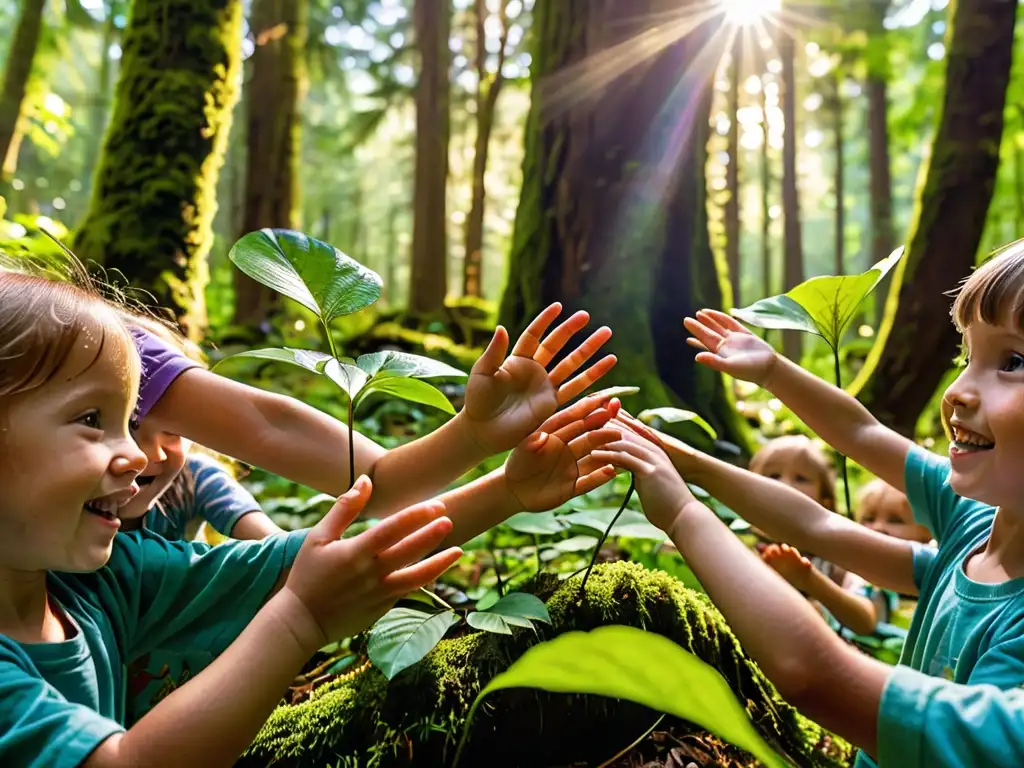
[631, 523]
[676, 416]
[391, 363]
[489, 622]
[555, 549]
[304, 358]
[403, 636]
[824, 306]
[413, 390]
[521, 605]
[536, 523]
[315, 274]
[642, 667]
[350, 378]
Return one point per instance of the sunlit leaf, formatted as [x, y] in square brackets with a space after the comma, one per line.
[676, 416]
[642, 667]
[303, 358]
[350, 378]
[521, 606]
[619, 392]
[391, 363]
[414, 390]
[403, 636]
[489, 622]
[631, 523]
[824, 306]
[536, 523]
[316, 275]
[573, 544]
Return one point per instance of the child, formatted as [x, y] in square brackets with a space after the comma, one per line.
[968, 624]
[885, 509]
[797, 462]
[506, 400]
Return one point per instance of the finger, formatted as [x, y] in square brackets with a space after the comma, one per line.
[492, 358]
[580, 355]
[528, 343]
[624, 460]
[415, 546]
[571, 389]
[712, 361]
[599, 418]
[581, 446]
[575, 411]
[415, 576]
[392, 530]
[587, 465]
[558, 338]
[641, 429]
[696, 344]
[346, 509]
[711, 321]
[703, 333]
[727, 321]
[594, 480]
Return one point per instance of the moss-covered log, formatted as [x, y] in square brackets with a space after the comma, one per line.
[417, 719]
[153, 198]
[916, 341]
[611, 218]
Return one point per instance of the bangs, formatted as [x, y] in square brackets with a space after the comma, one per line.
[994, 293]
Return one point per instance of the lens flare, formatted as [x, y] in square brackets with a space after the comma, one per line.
[745, 13]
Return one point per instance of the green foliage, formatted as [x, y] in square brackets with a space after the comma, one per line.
[630, 664]
[675, 416]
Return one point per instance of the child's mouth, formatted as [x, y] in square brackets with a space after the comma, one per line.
[143, 480]
[102, 508]
[966, 441]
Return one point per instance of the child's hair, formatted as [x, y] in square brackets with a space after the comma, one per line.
[873, 494]
[994, 292]
[789, 447]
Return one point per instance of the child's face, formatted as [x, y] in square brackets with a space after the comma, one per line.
[987, 419]
[892, 516]
[165, 454]
[796, 471]
[67, 462]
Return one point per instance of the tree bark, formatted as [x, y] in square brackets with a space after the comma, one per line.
[429, 273]
[486, 99]
[883, 236]
[153, 200]
[916, 341]
[732, 178]
[602, 224]
[276, 88]
[793, 264]
[17, 71]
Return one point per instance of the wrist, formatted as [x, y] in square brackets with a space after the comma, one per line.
[290, 612]
[470, 442]
[690, 513]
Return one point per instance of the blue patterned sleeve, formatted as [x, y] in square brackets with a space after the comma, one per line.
[219, 498]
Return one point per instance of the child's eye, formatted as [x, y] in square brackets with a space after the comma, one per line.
[1014, 363]
[801, 479]
[90, 419]
[774, 476]
[133, 425]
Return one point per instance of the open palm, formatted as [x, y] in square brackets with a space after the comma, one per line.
[507, 399]
[727, 346]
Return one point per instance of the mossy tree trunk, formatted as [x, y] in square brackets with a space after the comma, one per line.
[153, 199]
[612, 214]
[16, 73]
[276, 88]
[429, 273]
[916, 341]
[793, 255]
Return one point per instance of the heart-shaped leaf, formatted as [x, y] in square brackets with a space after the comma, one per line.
[824, 306]
[642, 667]
[315, 274]
[403, 636]
[489, 622]
[413, 390]
[349, 377]
[391, 363]
[676, 416]
[536, 523]
[303, 358]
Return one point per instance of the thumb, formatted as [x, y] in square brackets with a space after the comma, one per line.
[537, 441]
[345, 510]
[492, 358]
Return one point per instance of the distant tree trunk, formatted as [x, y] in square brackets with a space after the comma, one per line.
[793, 257]
[99, 109]
[883, 237]
[390, 256]
[601, 224]
[153, 199]
[429, 273]
[732, 178]
[18, 69]
[486, 99]
[766, 184]
[276, 88]
[838, 183]
[916, 341]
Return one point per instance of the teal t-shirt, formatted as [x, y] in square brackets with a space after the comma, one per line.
[962, 631]
[59, 701]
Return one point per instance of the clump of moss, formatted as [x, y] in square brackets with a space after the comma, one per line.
[417, 718]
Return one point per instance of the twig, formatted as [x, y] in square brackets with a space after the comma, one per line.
[604, 536]
[625, 751]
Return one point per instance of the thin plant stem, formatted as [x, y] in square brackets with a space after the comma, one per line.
[842, 457]
[625, 751]
[438, 598]
[604, 536]
[536, 546]
[500, 585]
[351, 413]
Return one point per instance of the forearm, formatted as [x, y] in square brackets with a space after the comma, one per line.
[781, 631]
[254, 525]
[852, 611]
[223, 707]
[478, 506]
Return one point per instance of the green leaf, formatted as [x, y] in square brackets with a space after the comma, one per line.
[350, 378]
[824, 306]
[303, 358]
[489, 622]
[676, 416]
[631, 523]
[536, 523]
[414, 390]
[619, 392]
[566, 546]
[315, 274]
[642, 667]
[403, 636]
[403, 364]
[521, 605]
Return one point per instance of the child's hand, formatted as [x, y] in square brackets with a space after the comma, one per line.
[347, 584]
[555, 463]
[729, 347]
[662, 491]
[507, 399]
[789, 563]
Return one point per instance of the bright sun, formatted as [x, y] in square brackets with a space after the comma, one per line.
[744, 12]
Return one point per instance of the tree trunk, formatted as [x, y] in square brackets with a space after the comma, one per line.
[766, 204]
[275, 91]
[99, 109]
[17, 71]
[732, 178]
[916, 341]
[152, 207]
[883, 237]
[603, 224]
[793, 269]
[429, 273]
[838, 183]
[486, 99]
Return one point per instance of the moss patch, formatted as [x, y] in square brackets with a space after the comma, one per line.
[417, 718]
